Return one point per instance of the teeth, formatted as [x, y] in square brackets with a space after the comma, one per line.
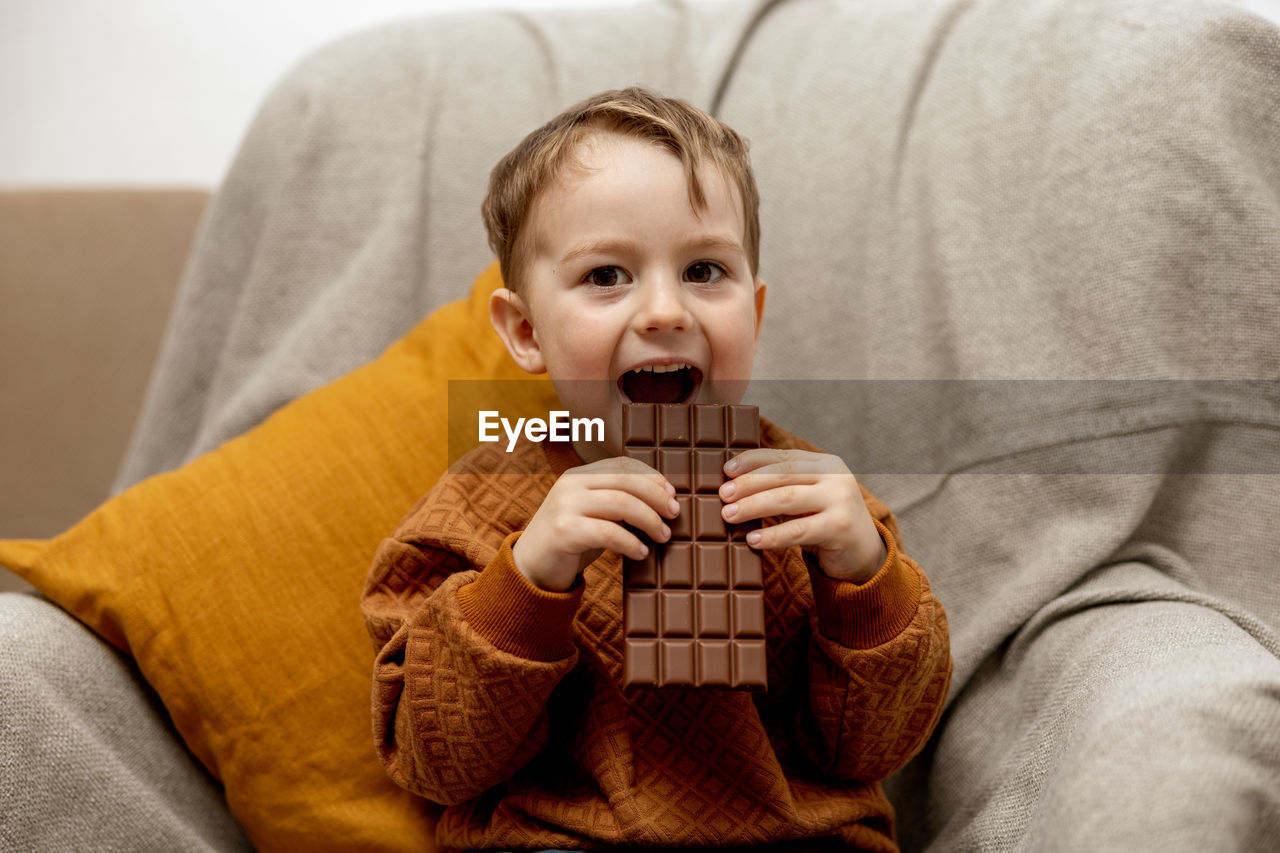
[661, 368]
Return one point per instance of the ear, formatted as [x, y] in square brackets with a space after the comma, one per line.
[760, 289]
[511, 320]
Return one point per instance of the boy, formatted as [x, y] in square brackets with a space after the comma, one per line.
[627, 234]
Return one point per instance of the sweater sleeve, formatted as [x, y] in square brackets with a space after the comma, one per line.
[879, 664]
[466, 661]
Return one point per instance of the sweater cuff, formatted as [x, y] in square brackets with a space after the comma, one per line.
[514, 614]
[866, 615]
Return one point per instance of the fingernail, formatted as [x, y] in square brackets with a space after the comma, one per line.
[666, 532]
[644, 551]
[671, 490]
[673, 507]
[753, 538]
[731, 465]
[727, 490]
[730, 510]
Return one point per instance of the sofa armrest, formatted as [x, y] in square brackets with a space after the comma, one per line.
[88, 757]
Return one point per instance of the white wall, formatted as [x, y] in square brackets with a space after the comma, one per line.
[159, 92]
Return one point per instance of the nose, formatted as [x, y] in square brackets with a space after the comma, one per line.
[661, 307]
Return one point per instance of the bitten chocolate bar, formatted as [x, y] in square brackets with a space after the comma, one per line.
[694, 608]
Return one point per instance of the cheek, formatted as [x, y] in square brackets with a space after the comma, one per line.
[583, 352]
[737, 338]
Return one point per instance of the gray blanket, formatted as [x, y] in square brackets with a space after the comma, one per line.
[991, 193]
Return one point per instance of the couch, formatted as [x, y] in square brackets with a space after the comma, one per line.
[1022, 261]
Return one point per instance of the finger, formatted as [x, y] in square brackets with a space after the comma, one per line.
[599, 533]
[766, 458]
[792, 532]
[783, 500]
[627, 465]
[632, 476]
[749, 460]
[618, 506]
[773, 475]
[636, 472]
[657, 494]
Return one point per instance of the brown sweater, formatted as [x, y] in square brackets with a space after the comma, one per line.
[504, 702]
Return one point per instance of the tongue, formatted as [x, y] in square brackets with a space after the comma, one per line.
[672, 387]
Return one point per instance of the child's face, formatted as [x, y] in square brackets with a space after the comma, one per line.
[624, 274]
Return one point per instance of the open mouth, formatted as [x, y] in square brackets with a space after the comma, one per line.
[658, 383]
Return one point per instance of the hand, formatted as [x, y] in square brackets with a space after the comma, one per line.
[584, 513]
[828, 516]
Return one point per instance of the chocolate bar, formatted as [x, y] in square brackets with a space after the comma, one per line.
[694, 608]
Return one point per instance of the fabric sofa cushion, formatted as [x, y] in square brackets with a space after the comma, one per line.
[235, 583]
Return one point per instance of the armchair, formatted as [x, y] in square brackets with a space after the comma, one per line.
[991, 230]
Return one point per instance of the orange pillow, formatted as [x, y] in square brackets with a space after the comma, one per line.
[235, 582]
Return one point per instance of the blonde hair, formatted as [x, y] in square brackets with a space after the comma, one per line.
[538, 161]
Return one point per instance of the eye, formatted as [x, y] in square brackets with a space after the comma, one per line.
[705, 272]
[606, 277]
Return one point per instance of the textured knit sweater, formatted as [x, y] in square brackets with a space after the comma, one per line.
[504, 702]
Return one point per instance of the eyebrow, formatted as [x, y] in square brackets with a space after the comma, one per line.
[611, 247]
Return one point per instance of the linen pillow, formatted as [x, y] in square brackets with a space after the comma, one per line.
[235, 583]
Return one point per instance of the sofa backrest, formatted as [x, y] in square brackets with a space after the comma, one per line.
[87, 278]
